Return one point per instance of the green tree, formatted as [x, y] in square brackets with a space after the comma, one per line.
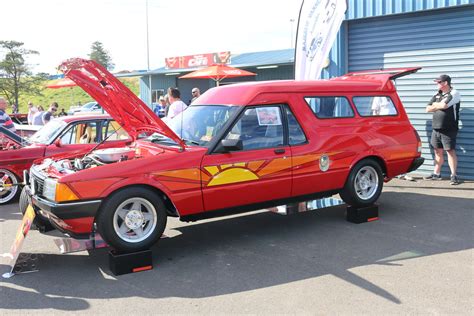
[101, 55]
[15, 74]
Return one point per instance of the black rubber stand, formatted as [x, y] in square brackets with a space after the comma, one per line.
[123, 263]
[365, 214]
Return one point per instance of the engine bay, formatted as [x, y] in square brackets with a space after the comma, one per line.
[94, 159]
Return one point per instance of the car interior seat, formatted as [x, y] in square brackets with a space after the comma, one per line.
[87, 136]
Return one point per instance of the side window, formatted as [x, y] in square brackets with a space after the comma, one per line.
[330, 107]
[83, 133]
[259, 127]
[113, 129]
[294, 129]
[374, 106]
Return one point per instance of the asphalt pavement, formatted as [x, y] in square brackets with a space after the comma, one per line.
[416, 259]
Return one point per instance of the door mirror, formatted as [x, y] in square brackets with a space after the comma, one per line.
[57, 142]
[228, 145]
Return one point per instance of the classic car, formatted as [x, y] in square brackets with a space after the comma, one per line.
[88, 108]
[68, 134]
[237, 148]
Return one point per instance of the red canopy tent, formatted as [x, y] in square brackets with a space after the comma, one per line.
[61, 83]
[217, 73]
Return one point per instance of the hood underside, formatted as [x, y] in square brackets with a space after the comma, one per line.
[121, 103]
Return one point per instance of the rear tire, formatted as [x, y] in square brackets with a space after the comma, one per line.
[364, 184]
[132, 219]
[12, 189]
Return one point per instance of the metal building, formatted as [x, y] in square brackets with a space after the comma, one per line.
[437, 35]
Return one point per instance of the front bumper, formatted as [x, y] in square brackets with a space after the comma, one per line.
[73, 218]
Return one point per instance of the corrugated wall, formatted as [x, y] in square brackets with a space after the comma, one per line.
[370, 8]
[419, 39]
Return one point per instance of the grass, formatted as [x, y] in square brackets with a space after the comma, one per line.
[66, 97]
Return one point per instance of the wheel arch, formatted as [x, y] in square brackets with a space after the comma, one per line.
[170, 207]
[374, 157]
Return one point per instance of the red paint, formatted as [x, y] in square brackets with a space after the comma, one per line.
[195, 180]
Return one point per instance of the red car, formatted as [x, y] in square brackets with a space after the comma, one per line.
[237, 148]
[68, 134]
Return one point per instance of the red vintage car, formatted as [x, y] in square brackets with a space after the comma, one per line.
[68, 134]
[237, 148]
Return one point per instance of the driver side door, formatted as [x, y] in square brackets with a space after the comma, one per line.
[257, 172]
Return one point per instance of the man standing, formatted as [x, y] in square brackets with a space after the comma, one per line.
[445, 108]
[32, 110]
[5, 120]
[196, 93]
[51, 112]
[177, 106]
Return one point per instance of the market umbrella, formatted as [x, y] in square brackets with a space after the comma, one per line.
[217, 73]
[61, 83]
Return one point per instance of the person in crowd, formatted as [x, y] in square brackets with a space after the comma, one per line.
[14, 108]
[38, 117]
[445, 108]
[40, 108]
[5, 119]
[160, 107]
[53, 108]
[32, 110]
[62, 113]
[167, 104]
[196, 93]
[177, 106]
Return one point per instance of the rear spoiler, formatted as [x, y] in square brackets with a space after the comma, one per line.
[389, 73]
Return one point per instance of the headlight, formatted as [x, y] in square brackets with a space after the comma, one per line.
[49, 189]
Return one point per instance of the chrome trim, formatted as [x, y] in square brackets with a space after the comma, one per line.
[54, 204]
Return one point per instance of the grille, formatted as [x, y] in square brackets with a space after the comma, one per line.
[37, 182]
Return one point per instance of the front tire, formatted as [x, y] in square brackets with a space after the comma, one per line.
[132, 219]
[9, 186]
[364, 184]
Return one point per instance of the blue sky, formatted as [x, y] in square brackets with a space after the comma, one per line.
[64, 29]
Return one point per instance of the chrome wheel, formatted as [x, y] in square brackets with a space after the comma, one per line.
[8, 186]
[135, 220]
[366, 182]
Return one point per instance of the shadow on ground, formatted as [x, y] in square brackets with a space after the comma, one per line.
[256, 251]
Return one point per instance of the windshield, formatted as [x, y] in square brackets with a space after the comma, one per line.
[48, 133]
[198, 124]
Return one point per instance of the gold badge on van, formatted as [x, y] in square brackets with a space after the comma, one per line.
[324, 163]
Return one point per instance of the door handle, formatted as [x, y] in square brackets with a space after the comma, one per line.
[279, 151]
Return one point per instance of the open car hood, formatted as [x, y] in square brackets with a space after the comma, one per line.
[13, 137]
[121, 103]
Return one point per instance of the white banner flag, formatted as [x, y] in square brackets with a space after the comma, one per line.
[318, 25]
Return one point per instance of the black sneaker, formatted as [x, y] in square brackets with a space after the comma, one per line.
[433, 176]
[454, 180]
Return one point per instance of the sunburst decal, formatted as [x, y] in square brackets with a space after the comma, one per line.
[246, 171]
[233, 173]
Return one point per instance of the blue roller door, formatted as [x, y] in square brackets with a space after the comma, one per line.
[441, 41]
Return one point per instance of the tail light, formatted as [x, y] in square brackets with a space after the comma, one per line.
[418, 140]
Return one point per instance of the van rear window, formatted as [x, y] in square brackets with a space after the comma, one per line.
[330, 107]
[374, 106]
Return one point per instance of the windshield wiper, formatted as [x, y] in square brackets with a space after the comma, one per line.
[191, 141]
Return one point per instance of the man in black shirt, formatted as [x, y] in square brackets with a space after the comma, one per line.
[445, 108]
[51, 112]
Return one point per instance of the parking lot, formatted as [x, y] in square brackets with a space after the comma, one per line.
[416, 259]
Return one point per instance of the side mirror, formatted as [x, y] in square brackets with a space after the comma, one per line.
[228, 145]
[57, 142]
